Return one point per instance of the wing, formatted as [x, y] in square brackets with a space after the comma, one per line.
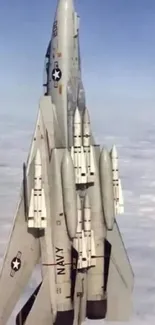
[23, 250]
[21, 257]
[120, 279]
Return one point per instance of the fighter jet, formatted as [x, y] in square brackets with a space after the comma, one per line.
[70, 197]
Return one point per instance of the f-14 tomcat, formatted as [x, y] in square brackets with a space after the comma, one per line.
[70, 197]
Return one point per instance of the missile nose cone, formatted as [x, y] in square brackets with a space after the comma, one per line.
[77, 116]
[86, 202]
[114, 152]
[86, 118]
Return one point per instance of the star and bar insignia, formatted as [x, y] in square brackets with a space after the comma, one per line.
[16, 264]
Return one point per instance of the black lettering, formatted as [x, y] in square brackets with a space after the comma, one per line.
[61, 263]
[61, 271]
[58, 258]
[58, 250]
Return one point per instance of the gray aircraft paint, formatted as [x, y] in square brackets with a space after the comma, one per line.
[67, 294]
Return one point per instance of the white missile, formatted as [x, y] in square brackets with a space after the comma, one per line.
[79, 224]
[79, 214]
[117, 188]
[77, 134]
[86, 128]
[82, 263]
[90, 163]
[89, 233]
[88, 149]
[78, 158]
[37, 208]
[69, 193]
[79, 240]
[77, 151]
[107, 188]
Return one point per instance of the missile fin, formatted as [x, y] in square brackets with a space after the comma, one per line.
[31, 211]
[93, 251]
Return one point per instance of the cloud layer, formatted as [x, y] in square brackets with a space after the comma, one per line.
[137, 169]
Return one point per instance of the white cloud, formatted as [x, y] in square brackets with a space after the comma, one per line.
[137, 168]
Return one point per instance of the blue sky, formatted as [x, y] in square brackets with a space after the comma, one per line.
[118, 68]
[118, 56]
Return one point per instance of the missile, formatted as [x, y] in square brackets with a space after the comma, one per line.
[107, 188]
[77, 151]
[37, 208]
[79, 240]
[79, 224]
[117, 188]
[89, 233]
[86, 128]
[69, 193]
[77, 134]
[79, 209]
[88, 149]
[80, 294]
